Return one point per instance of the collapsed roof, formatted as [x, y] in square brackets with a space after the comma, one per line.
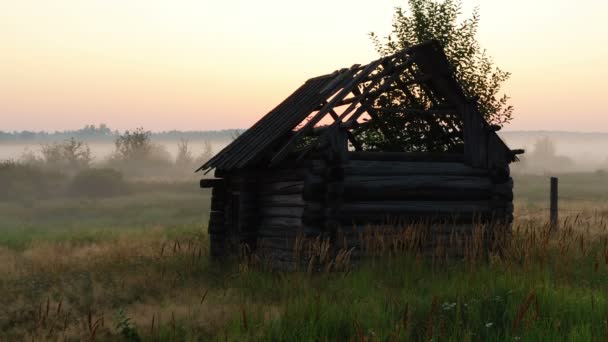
[415, 85]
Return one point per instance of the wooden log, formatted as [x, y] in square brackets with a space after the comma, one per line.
[273, 231]
[288, 222]
[433, 228]
[401, 168]
[282, 201]
[216, 222]
[281, 188]
[313, 188]
[283, 230]
[210, 183]
[498, 154]
[219, 192]
[217, 204]
[475, 136]
[293, 212]
[420, 187]
[406, 156]
[277, 243]
[504, 190]
[447, 210]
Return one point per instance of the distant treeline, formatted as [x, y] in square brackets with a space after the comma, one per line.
[104, 133]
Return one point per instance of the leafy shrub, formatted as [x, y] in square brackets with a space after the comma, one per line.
[184, 155]
[135, 155]
[22, 182]
[98, 183]
[126, 328]
[69, 156]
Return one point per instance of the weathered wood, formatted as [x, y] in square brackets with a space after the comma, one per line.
[219, 192]
[361, 211]
[210, 183]
[406, 156]
[288, 222]
[504, 190]
[475, 136]
[325, 109]
[339, 145]
[277, 243]
[397, 168]
[447, 228]
[498, 156]
[277, 231]
[218, 204]
[216, 221]
[265, 176]
[500, 174]
[409, 187]
[553, 218]
[282, 188]
[295, 212]
[281, 201]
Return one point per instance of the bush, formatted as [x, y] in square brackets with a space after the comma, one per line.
[98, 183]
[21, 182]
[136, 156]
[69, 156]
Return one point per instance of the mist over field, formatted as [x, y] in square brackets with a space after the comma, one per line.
[103, 150]
[546, 151]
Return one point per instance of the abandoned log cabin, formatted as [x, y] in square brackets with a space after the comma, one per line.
[396, 138]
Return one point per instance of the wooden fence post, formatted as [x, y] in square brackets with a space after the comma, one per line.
[553, 219]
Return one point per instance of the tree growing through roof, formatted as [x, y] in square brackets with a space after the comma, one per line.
[472, 67]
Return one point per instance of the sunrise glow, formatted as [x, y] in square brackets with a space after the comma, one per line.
[201, 65]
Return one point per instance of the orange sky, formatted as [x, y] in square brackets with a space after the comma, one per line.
[200, 64]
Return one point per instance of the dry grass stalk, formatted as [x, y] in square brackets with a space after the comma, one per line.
[244, 318]
[521, 311]
[358, 331]
[405, 318]
[152, 324]
[430, 322]
[204, 296]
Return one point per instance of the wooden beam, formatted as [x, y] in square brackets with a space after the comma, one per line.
[410, 187]
[409, 110]
[406, 156]
[210, 183]
[329, 106]
[403, 168]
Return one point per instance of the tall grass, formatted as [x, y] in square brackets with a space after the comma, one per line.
[161, 287]
[136, 268]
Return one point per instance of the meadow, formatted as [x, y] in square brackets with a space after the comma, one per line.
[135, 267]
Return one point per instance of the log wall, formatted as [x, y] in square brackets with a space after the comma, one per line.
[268, 210]
[280, 212]
[389, 191]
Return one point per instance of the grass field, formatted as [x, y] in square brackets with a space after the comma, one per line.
[136, 268]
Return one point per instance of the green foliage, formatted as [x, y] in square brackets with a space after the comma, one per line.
[98, 183]
[68, 156]
[116, 256]
[72, 154]
[21, 182]
[473, 68]
[136, 155]
[133, 145]
[126, 328]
